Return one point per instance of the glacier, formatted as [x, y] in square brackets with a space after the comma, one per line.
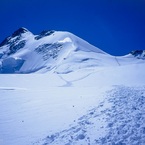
[56, 88]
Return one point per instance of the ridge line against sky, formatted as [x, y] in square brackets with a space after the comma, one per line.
[115, 26]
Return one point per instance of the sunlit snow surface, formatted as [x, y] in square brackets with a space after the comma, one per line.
[72, 93]
[91, 106]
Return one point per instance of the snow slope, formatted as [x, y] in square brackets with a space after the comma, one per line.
[78, 95]
[84, 107]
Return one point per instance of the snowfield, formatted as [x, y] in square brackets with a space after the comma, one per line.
[95, 107]
[61, 90]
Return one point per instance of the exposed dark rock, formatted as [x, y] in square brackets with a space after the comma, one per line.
[44, 33]
[5, 41]
[137, 52]
[14, 48]
[49, 50]
[19, 32]
[140, 54]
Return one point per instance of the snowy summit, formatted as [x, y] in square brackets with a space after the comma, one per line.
[60, 52]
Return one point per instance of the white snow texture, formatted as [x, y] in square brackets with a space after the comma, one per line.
[57, 89]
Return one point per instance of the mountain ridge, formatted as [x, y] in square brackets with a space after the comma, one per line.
[57, 51]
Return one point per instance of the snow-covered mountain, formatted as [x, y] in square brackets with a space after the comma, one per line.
[74, 94]
[60, 52]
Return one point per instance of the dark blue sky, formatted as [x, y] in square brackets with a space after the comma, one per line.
[115, 26]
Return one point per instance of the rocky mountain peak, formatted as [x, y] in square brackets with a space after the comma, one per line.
[140, 54]
[17, 34]
[20, 31]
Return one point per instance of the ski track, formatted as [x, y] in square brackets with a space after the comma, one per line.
[12, 89]
[70, 83]
[118, 120]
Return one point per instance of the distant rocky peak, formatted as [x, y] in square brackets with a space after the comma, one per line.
[20, 31]
[140, 54]
[15, 37]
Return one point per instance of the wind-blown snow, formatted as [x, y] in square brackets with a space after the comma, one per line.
[65, 40]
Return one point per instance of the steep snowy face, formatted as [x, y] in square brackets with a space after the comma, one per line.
[53, 51]
[10, 46]
[61, 52]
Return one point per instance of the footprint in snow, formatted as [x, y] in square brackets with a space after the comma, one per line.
[118, 120]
